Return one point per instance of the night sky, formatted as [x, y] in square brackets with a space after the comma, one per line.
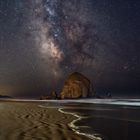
[42, 41]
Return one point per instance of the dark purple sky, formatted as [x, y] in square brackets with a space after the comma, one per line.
[42, 41]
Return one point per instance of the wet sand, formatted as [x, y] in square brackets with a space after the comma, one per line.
[28, 121]
[64, 120]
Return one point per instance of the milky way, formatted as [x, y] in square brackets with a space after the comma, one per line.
[63, 35]
[42, 41]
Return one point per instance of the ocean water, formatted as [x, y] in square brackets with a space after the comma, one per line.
[103, 119]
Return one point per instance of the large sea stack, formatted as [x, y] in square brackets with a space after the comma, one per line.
[76, 86]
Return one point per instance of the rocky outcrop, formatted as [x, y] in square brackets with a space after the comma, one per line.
[76, 86]
[52, 95]
[5, 96]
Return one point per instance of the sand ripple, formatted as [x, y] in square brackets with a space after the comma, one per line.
[27, 121]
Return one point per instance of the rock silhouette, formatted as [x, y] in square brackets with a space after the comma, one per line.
[52, 95]
[76, 86]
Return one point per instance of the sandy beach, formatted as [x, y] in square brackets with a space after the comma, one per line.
[69, 119]
[28, 121]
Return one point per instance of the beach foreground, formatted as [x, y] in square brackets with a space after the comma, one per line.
[116, 119]
[28, 121]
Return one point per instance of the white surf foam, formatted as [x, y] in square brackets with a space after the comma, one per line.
[76, 128]
[72, 125]
[127, 102]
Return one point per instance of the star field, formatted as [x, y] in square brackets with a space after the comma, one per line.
[42, 41]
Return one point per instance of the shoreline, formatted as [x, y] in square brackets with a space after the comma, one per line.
[117, 102]
[74, 128]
